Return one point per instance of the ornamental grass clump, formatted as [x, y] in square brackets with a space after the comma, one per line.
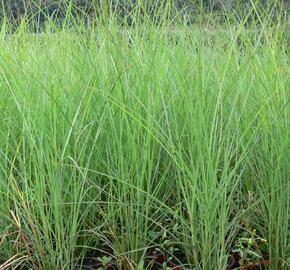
[147, 145]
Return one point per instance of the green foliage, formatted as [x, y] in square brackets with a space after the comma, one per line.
[249, 247]
[163, 136]
[16, 9]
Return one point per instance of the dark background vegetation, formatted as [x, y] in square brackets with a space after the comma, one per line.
[14, 9]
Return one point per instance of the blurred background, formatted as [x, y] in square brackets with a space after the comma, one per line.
[15, 9]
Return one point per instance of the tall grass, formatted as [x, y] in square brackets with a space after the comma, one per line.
[120, 140]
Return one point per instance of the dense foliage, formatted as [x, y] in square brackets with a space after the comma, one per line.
[16, 8]
[148, 147]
